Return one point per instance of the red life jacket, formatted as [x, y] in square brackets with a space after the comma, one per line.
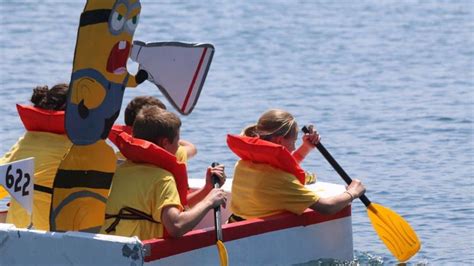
[142, 151]
[37, 119]
[261, 151]
[116, 130]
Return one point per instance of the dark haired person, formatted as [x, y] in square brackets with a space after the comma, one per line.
[46, 141]
[149, 191]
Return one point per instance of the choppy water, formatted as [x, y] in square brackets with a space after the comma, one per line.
[389, 85]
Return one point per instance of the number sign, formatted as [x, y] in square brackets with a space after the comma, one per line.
[17, 178]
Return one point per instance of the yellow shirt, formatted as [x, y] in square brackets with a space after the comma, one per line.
[181, 154]
[260, 190]
[143, 187]
[48, 149]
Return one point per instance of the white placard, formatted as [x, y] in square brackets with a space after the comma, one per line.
[18, 179]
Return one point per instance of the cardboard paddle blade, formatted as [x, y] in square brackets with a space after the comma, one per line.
[394, 231]
[178, 69]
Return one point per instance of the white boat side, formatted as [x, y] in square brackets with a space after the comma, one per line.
[282, 239]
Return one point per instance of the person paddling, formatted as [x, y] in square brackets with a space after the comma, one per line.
[149, 190]
[268, 179]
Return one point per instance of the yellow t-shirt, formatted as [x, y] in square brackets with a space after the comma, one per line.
[181, 154]
[259, 190]
[143, 187]
[48, 149]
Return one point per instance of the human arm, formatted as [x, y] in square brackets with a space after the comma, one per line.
[198, 195]
[336, 203]
[309, 143]
[178, 223]
[190, 148]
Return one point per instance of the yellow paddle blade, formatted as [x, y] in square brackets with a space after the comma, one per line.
[3, 193]
[222, 253]
[394, 231]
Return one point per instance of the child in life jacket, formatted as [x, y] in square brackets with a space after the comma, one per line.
[45, 140]
[268, 179]
[186, 149]
[148, 189]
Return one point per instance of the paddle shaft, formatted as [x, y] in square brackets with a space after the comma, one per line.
[339, 170]
[337, 167]
[401, 239]
[217, 210]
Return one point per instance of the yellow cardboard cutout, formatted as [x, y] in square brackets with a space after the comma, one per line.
[98, 81]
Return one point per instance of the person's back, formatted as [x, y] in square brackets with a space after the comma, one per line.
[145, 198]
[47, 145]
[261, 190]
[268, 179]
[145, 193]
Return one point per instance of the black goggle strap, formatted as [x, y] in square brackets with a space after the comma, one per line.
[94, 17]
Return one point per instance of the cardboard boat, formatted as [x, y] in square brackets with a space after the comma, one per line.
[281, 239]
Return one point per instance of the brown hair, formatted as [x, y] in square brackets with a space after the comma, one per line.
[137, 103]
[153, 123]
[50, 99]
[272, 123]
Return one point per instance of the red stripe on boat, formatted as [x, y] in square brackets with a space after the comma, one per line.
[190, 89]
[160, 248]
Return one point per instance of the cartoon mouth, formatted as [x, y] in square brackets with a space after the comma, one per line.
[117, 61]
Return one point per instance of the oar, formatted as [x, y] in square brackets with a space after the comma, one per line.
[392, 229]
[218, 228]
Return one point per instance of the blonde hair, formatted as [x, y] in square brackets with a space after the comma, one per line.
[272, 123]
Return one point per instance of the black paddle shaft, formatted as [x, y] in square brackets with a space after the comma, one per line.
[337, 167]
[217, 210]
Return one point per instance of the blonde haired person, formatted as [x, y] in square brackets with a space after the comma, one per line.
[259, 189]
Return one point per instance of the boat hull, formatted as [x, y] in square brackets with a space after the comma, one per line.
[278, 240]
[281, 239]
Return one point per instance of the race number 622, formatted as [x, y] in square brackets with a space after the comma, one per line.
[16, 179]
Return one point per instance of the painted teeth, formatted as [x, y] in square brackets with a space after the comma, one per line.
[122, 45]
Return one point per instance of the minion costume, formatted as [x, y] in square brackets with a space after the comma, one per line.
[98, 81]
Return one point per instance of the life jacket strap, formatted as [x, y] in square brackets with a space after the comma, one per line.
[234, 218]
[127, 213]
[43, 189]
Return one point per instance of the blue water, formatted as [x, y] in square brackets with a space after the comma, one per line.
[389, 85]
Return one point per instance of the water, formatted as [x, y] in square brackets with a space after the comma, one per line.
[389, 85]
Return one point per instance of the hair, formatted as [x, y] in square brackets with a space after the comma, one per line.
[153, 123]
[137, 103]
[50, 99]
[273, 123]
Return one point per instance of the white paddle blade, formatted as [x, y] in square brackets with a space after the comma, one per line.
[178, 69]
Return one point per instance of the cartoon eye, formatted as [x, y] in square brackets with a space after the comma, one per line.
[117, 21]
[132, 23]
